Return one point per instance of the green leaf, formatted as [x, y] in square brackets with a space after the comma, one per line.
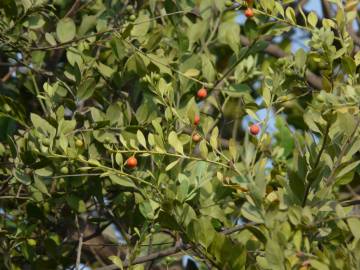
[203, 149]
[141, 25]
[87, 23]
[66, 126]
[312, 19]
[284, 136]
[117, 261]
[267, 96]
[172, 165]
[228, 253]
[252, 114]
[309, 120]
[148, 208]
[346, 123]
[45, 172]
[21, 176]
[250, 212]
[297, 176]
[105, 70]
[348, 64]
[214, 138]
[229, 34]
[175, 142]
[141, 138]
[274, 254]
[119, 159]
[259, 46]
[40, 185]
[42, 125]
[187, 214]
[290, 15]
[357, 58]
[192, 72]
[354, 225]
[183, 188]
[50, 39]
[86, 89]
[196, 31]
[76, 203]
[300, 59]
[348, 168]
[208, 69]
[233, 149]
[65, 30]
[122, 181]
[315, 264]
[136, 64]
[202, 231]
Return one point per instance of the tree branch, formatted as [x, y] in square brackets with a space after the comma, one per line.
[326, 9]
[72, 11]
[180, 246]
[78, 257]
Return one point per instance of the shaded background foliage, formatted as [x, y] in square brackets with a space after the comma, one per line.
[87, 84]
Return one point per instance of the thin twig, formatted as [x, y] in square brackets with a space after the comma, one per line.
[72, 11]
[78, 257]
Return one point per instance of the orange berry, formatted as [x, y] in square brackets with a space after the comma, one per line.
[254, 129]
[196, 138]
[249, 12]
[196, 120]
[202, 93]
[131, 162]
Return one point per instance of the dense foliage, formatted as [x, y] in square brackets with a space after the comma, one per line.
[134, 132]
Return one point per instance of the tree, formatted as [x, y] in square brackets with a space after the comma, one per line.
[125, 137]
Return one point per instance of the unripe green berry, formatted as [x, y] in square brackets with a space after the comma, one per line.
[7, 108]
[64, 170]
[228, 3]
[289, 72]
[79, 143]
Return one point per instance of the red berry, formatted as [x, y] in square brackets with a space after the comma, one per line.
[202, 93]
[196, 137]
[249, 12]
[254, 129]
[131, 162]
[196, 120]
